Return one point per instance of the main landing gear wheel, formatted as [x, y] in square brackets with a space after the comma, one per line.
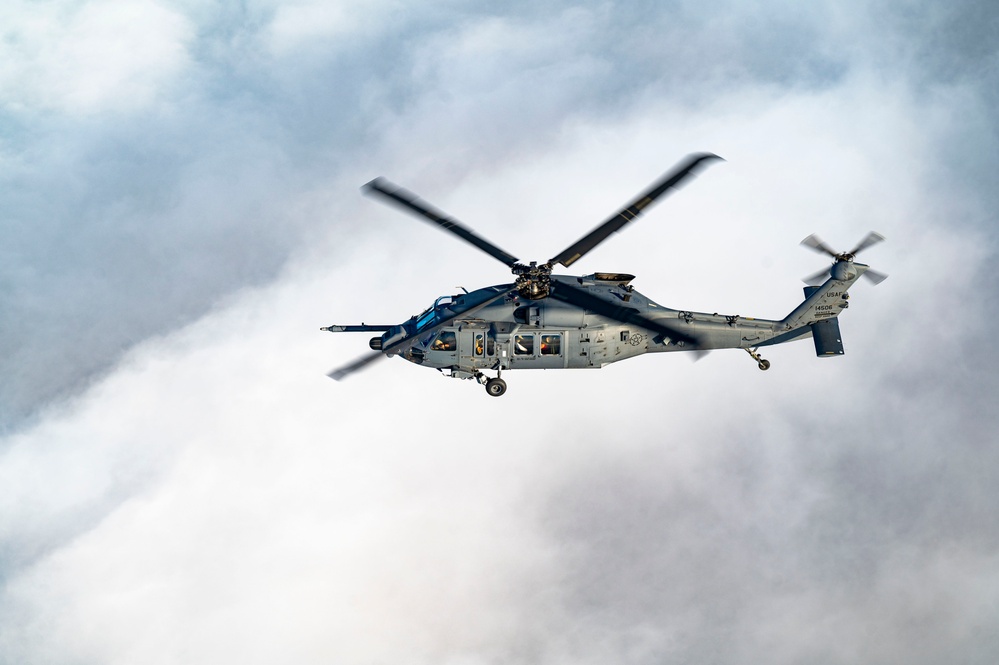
[760, 362]
[496, 387]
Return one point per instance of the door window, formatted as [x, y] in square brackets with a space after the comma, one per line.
[551, 345]
[524, 345]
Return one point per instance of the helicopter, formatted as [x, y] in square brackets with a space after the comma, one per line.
[544, 320]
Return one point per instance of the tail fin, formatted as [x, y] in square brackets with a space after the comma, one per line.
[819, 311]
[823, 302]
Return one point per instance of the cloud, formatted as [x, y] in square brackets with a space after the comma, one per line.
[296, 26]
[85, 58]
[211, 496]
[136, 218]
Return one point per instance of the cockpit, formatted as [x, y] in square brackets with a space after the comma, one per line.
[446, 340]
[443, 301]
[430, 315]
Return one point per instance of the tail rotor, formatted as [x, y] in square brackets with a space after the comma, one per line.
[815, 243]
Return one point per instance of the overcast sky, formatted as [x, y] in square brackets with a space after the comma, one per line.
[180, 483]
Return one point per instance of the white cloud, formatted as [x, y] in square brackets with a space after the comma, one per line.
[82, 58]
[244, 507]
[325, 25]
[215, 498]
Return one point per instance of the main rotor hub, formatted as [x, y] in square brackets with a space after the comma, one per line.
[534, 282]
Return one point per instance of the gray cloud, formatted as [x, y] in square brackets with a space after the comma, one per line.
[209, 495]
[128, 222]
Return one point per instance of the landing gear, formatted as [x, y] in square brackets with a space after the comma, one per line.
[760, 362]
[496, 387]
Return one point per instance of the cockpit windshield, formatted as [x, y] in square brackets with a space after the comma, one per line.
[430, 316]
[425, 320]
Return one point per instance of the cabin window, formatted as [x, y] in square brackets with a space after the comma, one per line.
[479, 348]
[446, 341]
[490, 346]
[551, 345]
[524, 345]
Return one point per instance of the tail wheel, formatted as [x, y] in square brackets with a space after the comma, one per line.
[764, 365]
[496, 387]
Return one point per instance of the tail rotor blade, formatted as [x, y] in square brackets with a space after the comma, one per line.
[818, 278]
[815, 242]
[872, 238]
[875, 276]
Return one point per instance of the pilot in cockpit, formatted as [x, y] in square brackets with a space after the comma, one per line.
[446, 341]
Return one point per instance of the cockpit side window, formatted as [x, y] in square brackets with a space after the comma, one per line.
[446, 341]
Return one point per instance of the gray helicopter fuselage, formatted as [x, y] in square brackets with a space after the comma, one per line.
[517, 333]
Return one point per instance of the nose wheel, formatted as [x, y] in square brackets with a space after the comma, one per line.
[762, 363]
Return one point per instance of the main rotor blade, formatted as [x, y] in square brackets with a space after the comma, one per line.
[872, 238]
[343, 372]
[814, 242]
[409, 201]
[583, 299]
[670, 180]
